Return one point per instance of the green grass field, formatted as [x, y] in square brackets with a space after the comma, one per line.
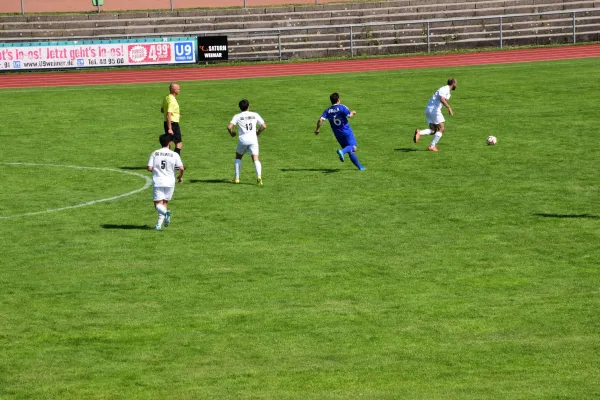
[472, 273]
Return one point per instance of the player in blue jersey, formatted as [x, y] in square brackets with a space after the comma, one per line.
[338, 115]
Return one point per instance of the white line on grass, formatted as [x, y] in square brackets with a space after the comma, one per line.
[89, 203]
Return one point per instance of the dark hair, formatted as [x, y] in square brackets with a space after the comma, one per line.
[244, 104]
[165, 139]
[451, 81]
[334, 97]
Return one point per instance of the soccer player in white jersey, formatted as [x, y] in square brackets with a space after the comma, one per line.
[250, 125]
[434, 116]
[162, 164]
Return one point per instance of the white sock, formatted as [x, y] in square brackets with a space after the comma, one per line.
[162, 211]
[237, 167]
[258, 167]
[436, 138]
[425, 132]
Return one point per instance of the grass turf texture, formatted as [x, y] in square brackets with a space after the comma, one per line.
[471, 273]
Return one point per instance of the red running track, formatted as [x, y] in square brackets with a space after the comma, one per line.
[9, 80]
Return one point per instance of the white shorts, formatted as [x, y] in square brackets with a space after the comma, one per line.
[162, 193]
[252, 149]
[434, 116]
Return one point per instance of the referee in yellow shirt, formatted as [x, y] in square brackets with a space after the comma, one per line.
[170, 108]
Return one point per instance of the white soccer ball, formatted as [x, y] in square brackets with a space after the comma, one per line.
[491, 140]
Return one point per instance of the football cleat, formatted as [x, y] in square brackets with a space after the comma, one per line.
[158, 228]
[340, 155]
[432, 148]
[362, 169]
[235, 180]
[259, 181]
[417, 135]
[167, 218]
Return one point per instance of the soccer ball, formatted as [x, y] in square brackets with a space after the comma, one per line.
[491, 140]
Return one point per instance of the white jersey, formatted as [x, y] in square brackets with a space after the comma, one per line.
[435, 103]
[246, 122]
[163, 163]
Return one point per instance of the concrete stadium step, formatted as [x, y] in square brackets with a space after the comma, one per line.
[251, 11]
[274, 20]
[168, 27]
[463, 37]
[240, 41]
[447, 40]
[383, 31]
[334, 44]
[323, 29]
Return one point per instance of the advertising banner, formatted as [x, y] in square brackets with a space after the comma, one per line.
[26, 56]
[212, 48]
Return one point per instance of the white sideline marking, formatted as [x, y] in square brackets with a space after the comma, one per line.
[89, 203]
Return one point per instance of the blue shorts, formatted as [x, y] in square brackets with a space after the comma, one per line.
[346, 140]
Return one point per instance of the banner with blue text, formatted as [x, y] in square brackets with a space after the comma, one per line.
[105, 53]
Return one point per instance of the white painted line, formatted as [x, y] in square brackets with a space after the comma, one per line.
[89, 203]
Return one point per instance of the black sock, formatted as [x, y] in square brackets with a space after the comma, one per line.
[178, 150]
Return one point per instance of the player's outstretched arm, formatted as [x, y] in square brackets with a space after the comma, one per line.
[351, 114]
[319, 123]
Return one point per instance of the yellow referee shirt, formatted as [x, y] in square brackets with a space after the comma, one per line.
[170, 105]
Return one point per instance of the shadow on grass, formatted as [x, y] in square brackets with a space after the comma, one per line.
[210, 181]
[582, 216]
[134, 168]
[322, 170]
[114, 226]
[406, 149]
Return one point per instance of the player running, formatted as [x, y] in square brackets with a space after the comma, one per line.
[434, 116]
[247, 122]
[338, 115]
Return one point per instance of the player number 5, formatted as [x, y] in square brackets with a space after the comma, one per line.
[163, 164]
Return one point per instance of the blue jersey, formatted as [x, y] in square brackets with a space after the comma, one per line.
[337, 115]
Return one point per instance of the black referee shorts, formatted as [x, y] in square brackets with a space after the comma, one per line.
[176, 131]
